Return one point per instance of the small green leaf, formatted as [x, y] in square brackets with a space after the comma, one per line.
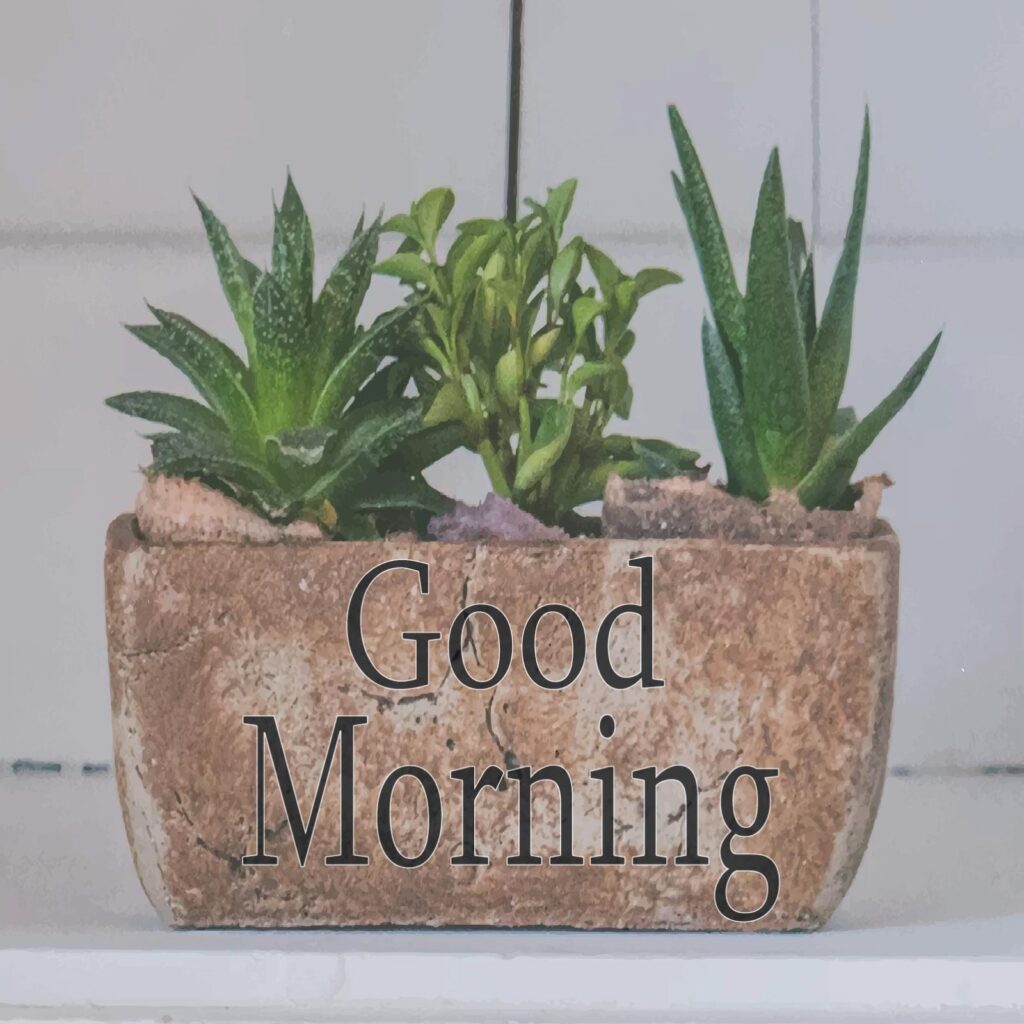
[449, 405]
[293, 250]
[237, 275]
[481, 226]
[830, 354]
[430, 212]
[735, 437]
[585, 310]
[559, 204]
[541, 346]
[564, 270]
[404, 224]
[607, 273]
[621, 393]
[774, 361]
[585, 375]
[508, 378]
[552, 437]
[653, 278]
[464, 261]
[172, 410]
[662, 459]
[827, 479]
[698, 208]
[409, 269]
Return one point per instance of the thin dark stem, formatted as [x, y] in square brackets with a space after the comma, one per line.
[515, 85]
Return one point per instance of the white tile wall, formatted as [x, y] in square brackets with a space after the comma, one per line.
[598, 79]
[112, 109]
[944, 81]
[109, 113]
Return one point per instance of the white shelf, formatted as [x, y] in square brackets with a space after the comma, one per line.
[933, 928]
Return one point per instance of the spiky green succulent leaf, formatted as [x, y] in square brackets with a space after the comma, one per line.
[366, 437]
[775, 386]
[807, 304]
[365, 353]
[732, 425]
[214, 370]
[218, 461]
[775, 403]
[173, 411]
[237, 275]
[337, 306]
[830, 354]
[293, 249]
[828, 478]
[701, 215]
[284, 367]
[392, 489]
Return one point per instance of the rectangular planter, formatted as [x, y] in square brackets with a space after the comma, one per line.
[773, 656]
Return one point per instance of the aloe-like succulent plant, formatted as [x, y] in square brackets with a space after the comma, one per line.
[314, 424]
[775, 372]
[526, 359]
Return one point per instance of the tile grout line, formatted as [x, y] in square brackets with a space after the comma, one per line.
[815, 12]
[187, 243]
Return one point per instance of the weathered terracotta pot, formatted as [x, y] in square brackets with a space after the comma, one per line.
[774, 656]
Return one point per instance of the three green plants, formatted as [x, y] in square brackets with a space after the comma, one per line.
[513, 341]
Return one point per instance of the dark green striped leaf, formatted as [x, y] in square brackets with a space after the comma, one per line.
[337, 306]
[237, 275]
[708, 239]
[807, 304]
[826, 481]
[283, 369]
[214, 370]
[172, 410]
[215, 457]
[384, 338]
[367, 436]
[735, 437]
[293, 249]
[775, 386]
[830, 354]
[391, 489]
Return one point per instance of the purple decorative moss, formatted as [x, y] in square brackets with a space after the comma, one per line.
[494, 519]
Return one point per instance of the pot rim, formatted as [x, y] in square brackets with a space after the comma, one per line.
[123, 533]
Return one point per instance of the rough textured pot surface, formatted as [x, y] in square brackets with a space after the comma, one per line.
[773, 655]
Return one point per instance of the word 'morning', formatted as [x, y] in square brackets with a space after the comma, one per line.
[526, 777]
[456, 637]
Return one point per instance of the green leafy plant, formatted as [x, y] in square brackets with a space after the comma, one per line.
[313, 424]
[775, 373]
[521, 355]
